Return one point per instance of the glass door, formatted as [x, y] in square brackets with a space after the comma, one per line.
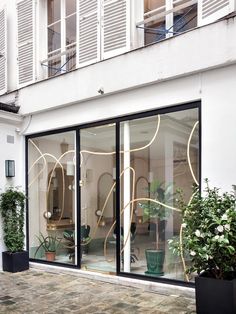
[97, 190]
[159, 155]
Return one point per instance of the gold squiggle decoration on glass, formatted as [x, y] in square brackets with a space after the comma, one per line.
[122, 151]
[41, 156]
[63, 175]
[195, 180]
[132, 205]
[113, 153]
[57, 162]
[100, 217]
[105, 203]
[113, 186]
[182, 253]
[109, 154]
[181, 243]
[188, 153]
[133, 201]
[63, 179]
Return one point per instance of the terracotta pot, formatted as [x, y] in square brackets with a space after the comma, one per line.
[50, 256]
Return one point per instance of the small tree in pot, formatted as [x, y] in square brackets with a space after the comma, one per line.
[209, 241]
[157, 215]
[12, 208]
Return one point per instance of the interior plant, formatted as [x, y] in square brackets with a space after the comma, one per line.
[69, 236]
[49, 244]
[12, 208]
[208, 239]
[157, 215]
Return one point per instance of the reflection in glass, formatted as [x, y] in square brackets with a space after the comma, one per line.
[54, 37]
[71, 58]
[51, 191]
[98, 198]
[154, 154]
[54, 66]
[70, 29]
[179, 21]
[54, 11]
[150, 5]
[155, 30]
[70, 7]
[185, 19]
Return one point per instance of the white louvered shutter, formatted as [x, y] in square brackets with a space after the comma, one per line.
[89, 32]
[25, 42]
[212, 10]
[115, 27]
[3, 52]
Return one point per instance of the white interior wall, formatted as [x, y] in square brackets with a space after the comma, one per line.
[89, 193]
[38, 189]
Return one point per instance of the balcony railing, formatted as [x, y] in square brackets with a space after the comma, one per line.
[60, 62]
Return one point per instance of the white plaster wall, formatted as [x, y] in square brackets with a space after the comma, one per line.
[216, 89]
[219, 127]
[123, 103]
[10, 152]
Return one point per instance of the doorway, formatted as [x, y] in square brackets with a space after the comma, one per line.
[107, 191]
[97, 195]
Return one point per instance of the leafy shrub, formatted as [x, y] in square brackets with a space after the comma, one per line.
[209, 233]
[12, 206]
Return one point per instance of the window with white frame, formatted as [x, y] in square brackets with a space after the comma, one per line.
[105, 28]
[103, 32]
[61, 32]
[165, 18]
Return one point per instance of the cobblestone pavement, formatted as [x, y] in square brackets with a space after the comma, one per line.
[37, 291]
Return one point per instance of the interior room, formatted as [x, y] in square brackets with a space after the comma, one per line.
[158, 155]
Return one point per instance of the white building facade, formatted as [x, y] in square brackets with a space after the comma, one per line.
[121, 103]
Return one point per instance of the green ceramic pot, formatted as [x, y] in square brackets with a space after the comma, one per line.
[155, 262]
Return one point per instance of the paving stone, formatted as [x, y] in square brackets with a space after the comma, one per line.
[7, 302]
[44, 292]
[6, 297]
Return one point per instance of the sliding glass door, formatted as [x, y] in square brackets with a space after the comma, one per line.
[97, 191]
[159, 155]
[126, 212]
[52, 198]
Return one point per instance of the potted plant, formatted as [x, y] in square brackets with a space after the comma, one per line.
[69, 236]
[49, 244]
[157, 216]
[12, 208]
[209, 240]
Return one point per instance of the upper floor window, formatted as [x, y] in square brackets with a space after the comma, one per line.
[61, 31]
[165, 18]
[47, 36]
